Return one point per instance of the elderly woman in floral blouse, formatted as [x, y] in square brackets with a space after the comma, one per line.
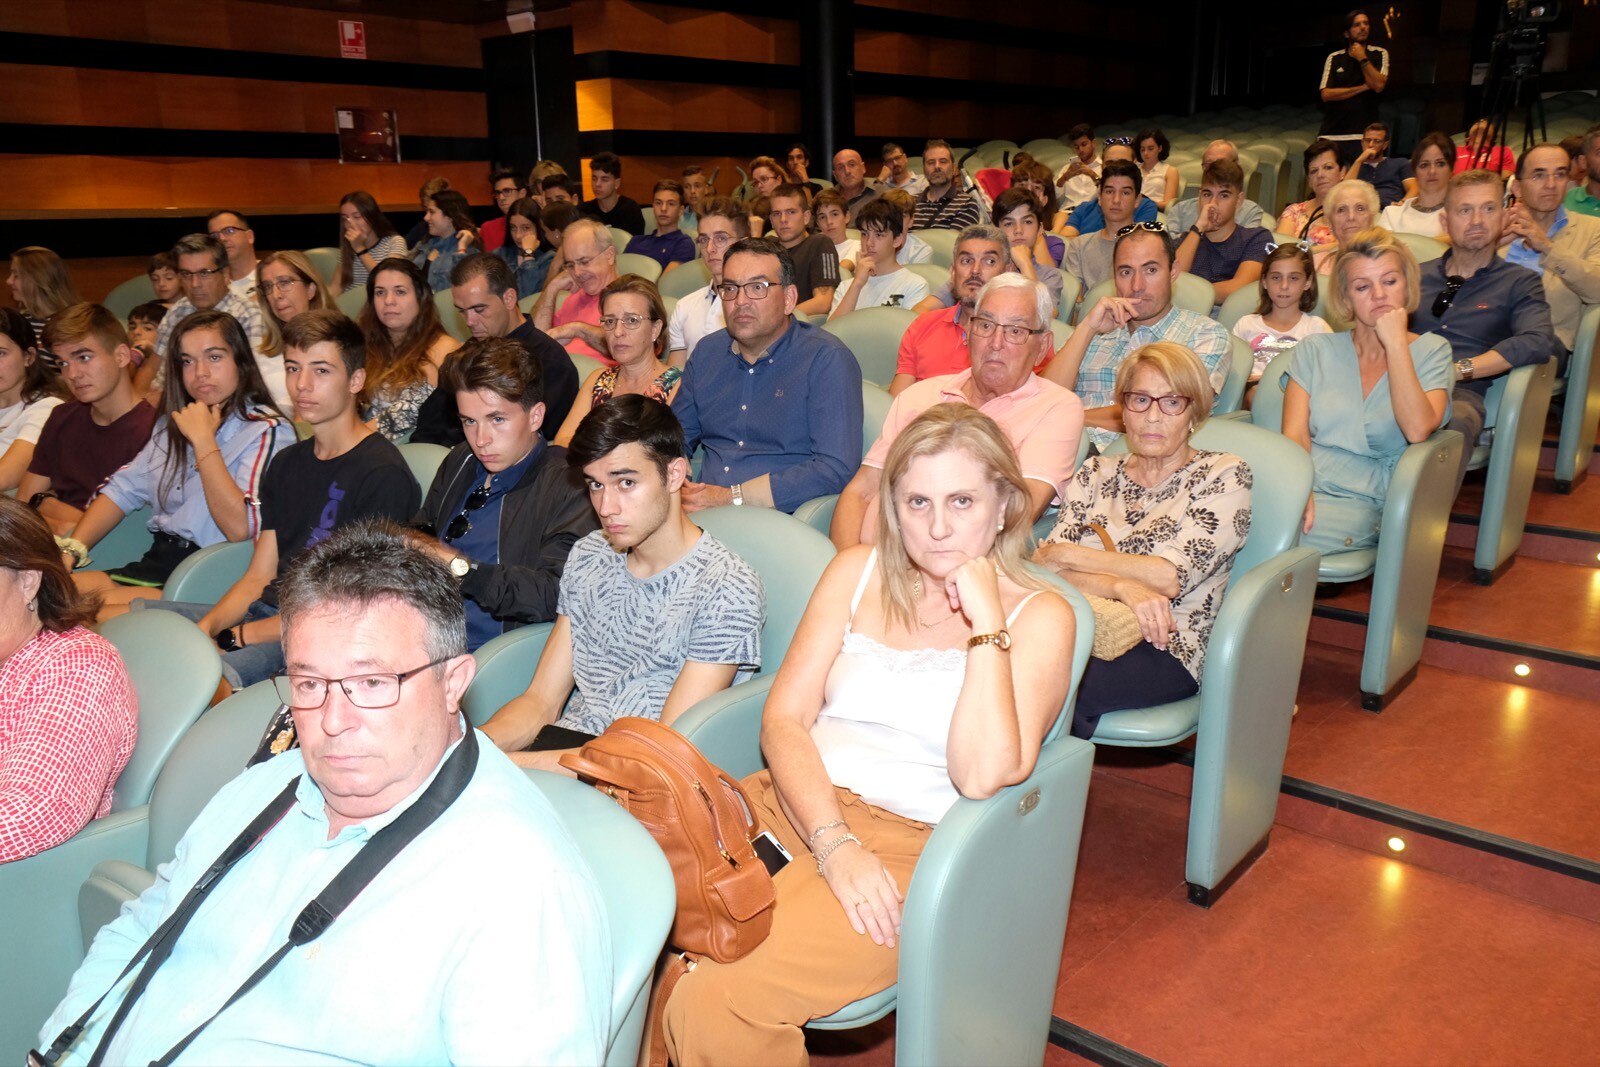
[1156, 529]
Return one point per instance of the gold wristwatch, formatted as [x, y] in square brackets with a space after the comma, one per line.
[1001, 640]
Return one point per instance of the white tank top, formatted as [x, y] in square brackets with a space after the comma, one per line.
[884, 728]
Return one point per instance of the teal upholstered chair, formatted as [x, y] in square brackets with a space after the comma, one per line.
[1240, 718]
[1067, 306]
[817, 512]
[351, 301]
[127, 296]
[584, 365]
[505, 667]
[1426, 249]
[1580, 407]
[1237, 305]
[326, 260]
[444, 302]
[127, 541]
[1517, 405]
[1404, 567]
[619, 239]
[935, 274]
[681, 281]
[1241, 361]
[634, 263]
[943, 243]
[636, 886]
[986, 911]
[873, 335]
[424, 461]
[175, 669]
[206, 575]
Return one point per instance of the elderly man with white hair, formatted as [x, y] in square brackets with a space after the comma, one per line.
[1008, 334]
[590, 260]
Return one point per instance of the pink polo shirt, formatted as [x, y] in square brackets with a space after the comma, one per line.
[934, 345]
[1042, 420]
[581, 307]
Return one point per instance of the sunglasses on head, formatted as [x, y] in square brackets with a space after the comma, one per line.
[1120, 140]
[461, 523]
[1147, 227]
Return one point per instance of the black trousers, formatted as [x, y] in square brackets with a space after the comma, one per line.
[1141, 677]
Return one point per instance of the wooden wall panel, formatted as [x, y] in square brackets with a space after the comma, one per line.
[66, 184]
[1094, 20]
[630, 26]
[79, 96]
[242, 25]
[621, 104]
[879, 118]
[1033, 72]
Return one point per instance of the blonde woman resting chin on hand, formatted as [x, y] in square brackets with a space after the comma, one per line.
[924, 670]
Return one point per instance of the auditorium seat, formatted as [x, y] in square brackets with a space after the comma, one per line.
[424, 461]
[681, 281]
[175, 669]
[129, 295]
[873, 336]
[127, 541]
[444, 302]
[986, 912]
[1517, 406]
[1404, 567]
[943, 243]
[634, 263]
[351, 301]
[1580, 407]
[326, 260]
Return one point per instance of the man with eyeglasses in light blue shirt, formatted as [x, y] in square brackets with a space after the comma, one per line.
[391, 789]
[774, 401]
[1144, 273]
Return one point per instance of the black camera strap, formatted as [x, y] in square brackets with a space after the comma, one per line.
[314, 918]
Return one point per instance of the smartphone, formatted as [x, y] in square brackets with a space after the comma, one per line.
[773, 855]
[555, 738]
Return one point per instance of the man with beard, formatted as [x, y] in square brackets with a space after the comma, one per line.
[936, 343]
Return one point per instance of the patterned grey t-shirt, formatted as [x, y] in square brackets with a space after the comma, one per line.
[631, 637]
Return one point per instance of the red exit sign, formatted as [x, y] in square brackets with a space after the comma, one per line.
[352, 39]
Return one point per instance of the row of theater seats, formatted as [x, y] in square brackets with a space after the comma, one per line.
[968, 989]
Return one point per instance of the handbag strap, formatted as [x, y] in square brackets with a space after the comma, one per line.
[1105, 538]
[315, 918]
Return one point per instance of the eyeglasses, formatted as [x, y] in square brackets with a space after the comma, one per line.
[502, 194]
[282, 285]
[1171, 404]
[191, 275]
[585, 261]
[307, 692]
[1303, 245]
[984, 327]
[627, 322]
[227, 231]
[1120, 140]
[1147, 227]
[716, 240]
[461, 524]
[756, 290]
[1447, 295]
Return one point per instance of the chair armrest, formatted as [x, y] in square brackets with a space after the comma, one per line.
[1252, 673]
[207, 574]
[986, 915]
[109, 886]
[38, 897]
[1580, 407]
[726, 727]
[1513, 462]
[505, 669]
[817, 512]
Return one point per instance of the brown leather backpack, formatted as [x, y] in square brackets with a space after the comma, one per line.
[702, 820]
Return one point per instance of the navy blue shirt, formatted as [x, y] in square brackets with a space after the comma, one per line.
[1218, 261]
[1388, 176]
[482, 541]
[1501, 307]
[674, 247]
[794, 414]
[1088, 218]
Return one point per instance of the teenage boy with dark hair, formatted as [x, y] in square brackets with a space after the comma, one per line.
[343, 472]
[508, 188]
[1217, 248]
[669, 245]
[655, 614]
[816, 263]
[609, 205]
[561, 188]
[103, 426]
[503, 511]
[879, 279]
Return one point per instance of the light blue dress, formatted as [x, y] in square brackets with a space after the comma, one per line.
[1355, 441]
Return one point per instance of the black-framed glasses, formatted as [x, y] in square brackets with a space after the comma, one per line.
[1171, 404]
[307, 692]
[191, 275]
[461, 523]
[1147, 227]
[227, 231]
[756, 290]
[984, 327]
[1447, 295]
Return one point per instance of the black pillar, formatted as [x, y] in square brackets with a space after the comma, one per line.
[827, 80]
[532, 98]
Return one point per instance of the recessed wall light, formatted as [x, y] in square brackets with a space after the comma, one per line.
[1397, 844]
[1522, 670]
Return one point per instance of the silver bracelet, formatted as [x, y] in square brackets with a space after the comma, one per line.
[819, 831]
[828, 849]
